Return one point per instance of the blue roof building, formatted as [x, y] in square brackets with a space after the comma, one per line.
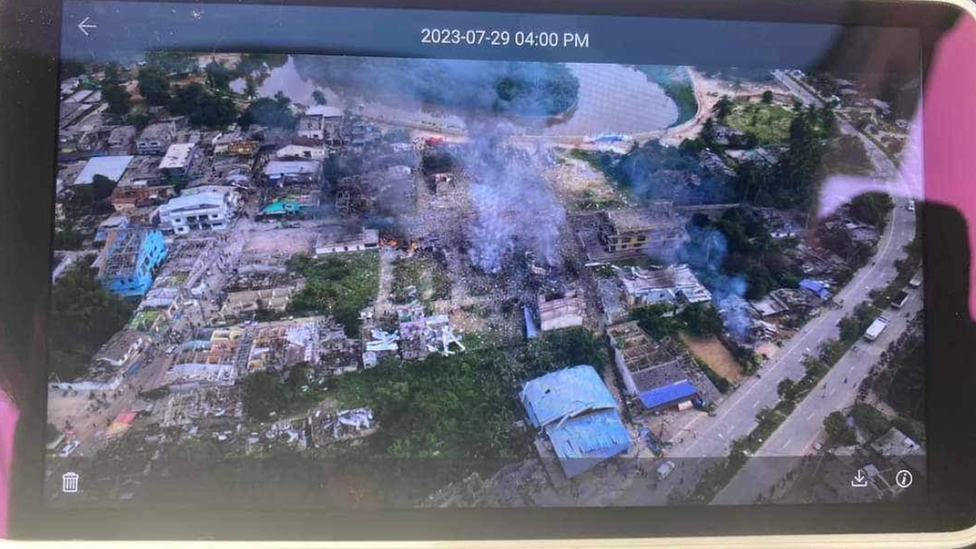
[129, 259]
[669, 395]
[817, 288]
[577, 413]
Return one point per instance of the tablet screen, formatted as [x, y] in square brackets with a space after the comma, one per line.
[349, 258]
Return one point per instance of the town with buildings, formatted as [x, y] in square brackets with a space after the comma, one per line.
[622, 294]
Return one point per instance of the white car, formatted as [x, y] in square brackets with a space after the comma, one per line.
[69, 448]
[910, 206]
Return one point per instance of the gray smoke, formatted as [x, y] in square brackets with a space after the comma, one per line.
[704, 252]
[514, 205]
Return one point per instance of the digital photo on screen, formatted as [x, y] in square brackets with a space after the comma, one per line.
[349, 281]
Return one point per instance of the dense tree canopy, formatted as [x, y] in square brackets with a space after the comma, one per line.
[202, 108]
[273, 112]
[119, 101]
[83, 317]
[154, 86]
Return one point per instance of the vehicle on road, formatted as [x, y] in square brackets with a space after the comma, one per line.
[910, 206]
[899, 300]
[69, 448]
[916, 280]
[876, 328]
[664, 470]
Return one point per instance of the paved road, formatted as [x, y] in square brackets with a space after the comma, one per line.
[798, 434]
[711, 436]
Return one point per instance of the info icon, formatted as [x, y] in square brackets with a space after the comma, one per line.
[904, 478]
[69, 483]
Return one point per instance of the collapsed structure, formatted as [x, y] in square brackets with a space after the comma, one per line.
[651, 373]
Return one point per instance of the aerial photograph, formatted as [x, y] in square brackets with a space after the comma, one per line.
[363, 282]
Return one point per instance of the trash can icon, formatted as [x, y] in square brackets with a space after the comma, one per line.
[69, 483]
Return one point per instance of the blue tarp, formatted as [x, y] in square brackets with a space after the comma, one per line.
[582, 442]
[816, 287]
[565, 393]
[668, 394]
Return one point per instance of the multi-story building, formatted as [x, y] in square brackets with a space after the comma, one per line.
[129, 259]
[156, 138]
[207, 211]
[629, 232]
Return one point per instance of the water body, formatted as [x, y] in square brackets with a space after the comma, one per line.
[613, 99]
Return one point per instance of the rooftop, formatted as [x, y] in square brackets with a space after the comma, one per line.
[677, 278]
[112, 167]
[659, 215]
[159, 129]
[177, 156]
[291, 167]
[565, 393]
[205, 200]
[668, 394]
[324, 111]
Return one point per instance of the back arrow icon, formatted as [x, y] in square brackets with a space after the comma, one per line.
[84, 26]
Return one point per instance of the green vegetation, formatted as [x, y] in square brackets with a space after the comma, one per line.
[67, 236]
[749, 252]
[845, 154]
[102, 187]
[428, 408]
[119, 101]
[901, 381]
[266, 393]
[319, 97]
[171, 62]
[154, 86]
[429, 280]
[769, 123]
[589, 202]
[723, 385]
[793, 182]
[144, 320]
[274, 112]
[339, 285]
[660, 321]
[767, 97]
[870, 419]
[83, 317]
[838, 431]
[873, 209]
[677, 86]
[219, 77]
[202, 108]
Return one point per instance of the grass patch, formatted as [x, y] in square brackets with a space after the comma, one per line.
[144, 320]
[590, 202]
[425, 275]
[339, 285]
[769, 123]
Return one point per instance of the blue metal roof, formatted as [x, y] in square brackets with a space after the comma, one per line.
[668, 394]
[582, 442]
[815, 287]
[565, 393]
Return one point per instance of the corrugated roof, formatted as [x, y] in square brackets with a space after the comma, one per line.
[668, 394]
[565, 393]
[815, 287]
[598, 434]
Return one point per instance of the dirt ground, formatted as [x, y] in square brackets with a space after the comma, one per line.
[70, 408]
[266, 238]
[712, 352]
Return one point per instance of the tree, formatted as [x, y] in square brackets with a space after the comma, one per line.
[70, 69]
[203, 108]
[250, 87]
[119, 101]
[767, 97]
[785, 389]
[870, 419]
[83, 317]
[701, 319]
[319, 97]
[113, 73]
[723, 108]
[838, 431]
[154, 86]
[218, 76]
[171, 62]
[266, 111]
[102, 186]
[263, 394]
[872, 208]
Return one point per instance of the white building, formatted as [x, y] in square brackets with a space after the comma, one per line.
[209, 211]
[339, 241]
[280, 172]
[112, 167]
[675, 284]
[299, 152]
[177, 160]
[320, 122]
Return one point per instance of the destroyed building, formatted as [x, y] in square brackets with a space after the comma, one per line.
[284, 343]
[561, 309]
[675, 284]
[156, 138]
[630, 232]
[421, 335]
[338, 239]
[290, 172]
[577, 419]
[212, 358]
[128, 261]
[244, 303]
[650, 371]
[321, 123]
[119, 357]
